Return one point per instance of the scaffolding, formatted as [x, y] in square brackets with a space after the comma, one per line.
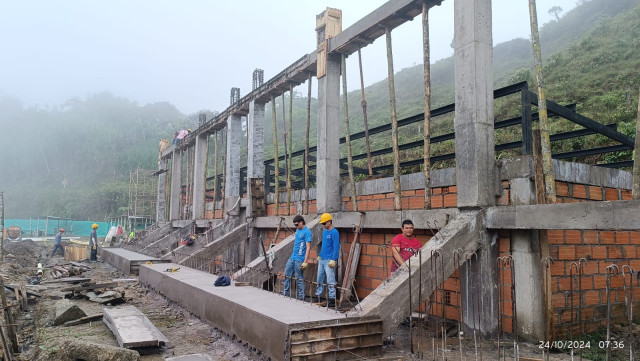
[141, 211]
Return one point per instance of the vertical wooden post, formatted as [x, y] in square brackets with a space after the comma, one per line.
[345, 109]
[276, 162]
[290, 142]
[427, 105]
[1, 226]
[224, 170]
[635, 189]
[397, 204]
[545, 141]
[363, 103]
[287, 161]
[9, 321]
[306, 148]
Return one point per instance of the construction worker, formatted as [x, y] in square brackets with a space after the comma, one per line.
[93, 243]
[299, 257]
[58, 243]
[404, 245]
[328, 258]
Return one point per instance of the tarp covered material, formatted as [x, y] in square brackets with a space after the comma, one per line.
[80, 228]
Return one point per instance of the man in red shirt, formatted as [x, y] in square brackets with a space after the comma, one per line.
[404, 245]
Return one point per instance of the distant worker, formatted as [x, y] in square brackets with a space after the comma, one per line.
[180, 135]
[299, 257]
[58, 243]
[175, 139]
[328, 258]
[119, 233]
[404, 245]
[93, 243]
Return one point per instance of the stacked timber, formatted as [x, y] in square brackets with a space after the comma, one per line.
[68, 270]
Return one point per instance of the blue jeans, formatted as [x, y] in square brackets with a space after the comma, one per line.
[55, 248]
[326, 274]
[293, 267]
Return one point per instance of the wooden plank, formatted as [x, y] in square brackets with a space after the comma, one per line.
[91, 287]
[70, 280]
[132, 328]
[84, 320]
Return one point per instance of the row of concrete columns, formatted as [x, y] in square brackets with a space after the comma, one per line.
[476, 179]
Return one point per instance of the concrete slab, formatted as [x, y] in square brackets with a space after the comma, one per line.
[128, 262]
[132, 328]
[263, 319]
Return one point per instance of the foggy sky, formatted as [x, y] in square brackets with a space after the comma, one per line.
[190, 53]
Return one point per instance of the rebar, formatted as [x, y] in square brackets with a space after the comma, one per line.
[546, 264]
[611, 270]
[629, 305]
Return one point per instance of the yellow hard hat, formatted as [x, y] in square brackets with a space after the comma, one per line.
[325, 217]
[94, 226]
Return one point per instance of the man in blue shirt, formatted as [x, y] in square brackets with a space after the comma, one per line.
[328, 258]
[57, 244]
[299, 257]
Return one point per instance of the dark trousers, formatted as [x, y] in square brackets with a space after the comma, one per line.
[94, 254]
[55, 248]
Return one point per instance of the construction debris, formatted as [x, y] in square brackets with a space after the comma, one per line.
[89, 351]
[84, 320]
[67, 311]
[66, 270]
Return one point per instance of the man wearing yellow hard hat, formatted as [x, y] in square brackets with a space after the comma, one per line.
[93, 243]
[328, 258]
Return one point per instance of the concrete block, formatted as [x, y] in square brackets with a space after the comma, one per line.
[66, 310]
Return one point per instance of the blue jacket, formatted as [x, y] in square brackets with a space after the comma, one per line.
[58, 240]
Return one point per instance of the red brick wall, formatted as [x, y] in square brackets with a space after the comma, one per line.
[600, 249]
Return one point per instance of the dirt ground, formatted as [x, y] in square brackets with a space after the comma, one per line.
[187, 334]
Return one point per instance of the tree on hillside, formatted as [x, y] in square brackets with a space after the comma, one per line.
[555, 11]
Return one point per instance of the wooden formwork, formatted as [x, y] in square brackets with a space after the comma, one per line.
[339, 341]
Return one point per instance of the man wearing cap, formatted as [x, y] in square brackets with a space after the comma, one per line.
[328, 258]
[299, 257]
[93, 243]
[58, 243]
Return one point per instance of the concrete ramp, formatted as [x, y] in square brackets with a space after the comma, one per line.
[128, 262]
[282, 328]
[166, 243]
[390, 301]
[192, 255]
[150, 237]
[256, 271]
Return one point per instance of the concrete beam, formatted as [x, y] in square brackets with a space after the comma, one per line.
[390, 301]
[422, 219]
[256, 271]
[475, 153]
[128, 262]
[618, 215]
[200, 175]
[218, 246]
[175, 195]
[328, 154]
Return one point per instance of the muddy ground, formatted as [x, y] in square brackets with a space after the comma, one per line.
[187, 334]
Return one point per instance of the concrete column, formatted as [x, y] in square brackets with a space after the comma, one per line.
[475, 153]
[161, 204]
[200, 175]
[176, 185]
[255, 151]
[232, 181]
[528, 270]
[328, 155]
[255, 168]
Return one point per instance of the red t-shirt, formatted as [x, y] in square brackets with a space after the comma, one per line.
[408, 247]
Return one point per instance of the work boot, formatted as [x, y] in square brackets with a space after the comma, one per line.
[331, 303]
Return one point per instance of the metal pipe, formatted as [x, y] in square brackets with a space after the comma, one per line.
[629, 304]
